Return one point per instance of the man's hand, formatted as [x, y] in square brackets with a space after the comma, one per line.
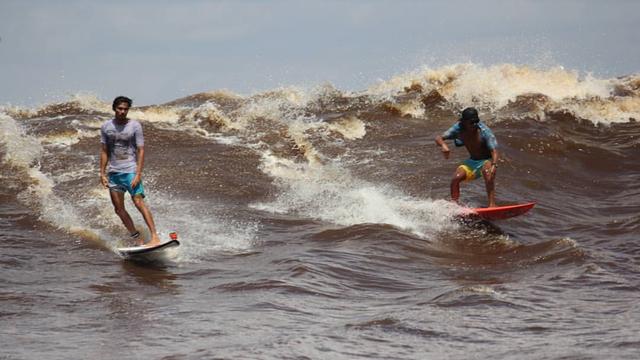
[135, 181]
[104, 180]
[445, 151]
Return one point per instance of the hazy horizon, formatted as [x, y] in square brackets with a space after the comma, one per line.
[156, 51]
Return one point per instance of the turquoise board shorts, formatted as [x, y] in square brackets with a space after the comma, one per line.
[473, 168]
[121, 182]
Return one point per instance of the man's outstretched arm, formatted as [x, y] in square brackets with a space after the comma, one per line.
[443, 146]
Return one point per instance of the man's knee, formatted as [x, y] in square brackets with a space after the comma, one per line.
[138, 201]
[458, 178]
[488, 175]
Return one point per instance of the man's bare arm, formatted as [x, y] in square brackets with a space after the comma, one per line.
[104, 158]
[139, 166]
[443, 146]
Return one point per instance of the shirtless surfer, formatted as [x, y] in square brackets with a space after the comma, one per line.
[482, 146]
[122, 149]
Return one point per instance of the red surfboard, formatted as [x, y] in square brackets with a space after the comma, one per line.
[498, 212]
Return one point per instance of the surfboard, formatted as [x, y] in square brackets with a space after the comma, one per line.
[145, 252]
[143, 249]
[498, 212]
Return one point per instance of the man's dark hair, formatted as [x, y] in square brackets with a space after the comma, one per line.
[121, 99]
[470, 114]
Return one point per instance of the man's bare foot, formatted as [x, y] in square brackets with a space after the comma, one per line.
[154, 241]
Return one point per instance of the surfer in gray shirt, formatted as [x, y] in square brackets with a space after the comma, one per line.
[121, 163]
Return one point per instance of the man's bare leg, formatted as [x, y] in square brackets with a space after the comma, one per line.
[117, 199]
[458, 177]
[148, 218]
[489, 175]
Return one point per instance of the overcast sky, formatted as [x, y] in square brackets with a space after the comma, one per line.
[157, 51]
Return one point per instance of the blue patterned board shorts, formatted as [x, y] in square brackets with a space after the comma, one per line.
[121, 182]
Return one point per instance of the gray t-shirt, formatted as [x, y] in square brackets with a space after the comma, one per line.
[122, 142]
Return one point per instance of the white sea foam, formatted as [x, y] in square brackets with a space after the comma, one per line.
[209, 114]
[493, 87]
[331, 194]
[202, 227]
[20, 149]
[322, 189]
[612, 110]
[23, 152]
[90, 102]
[496, 85]
[156, 114]
[350, 127]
